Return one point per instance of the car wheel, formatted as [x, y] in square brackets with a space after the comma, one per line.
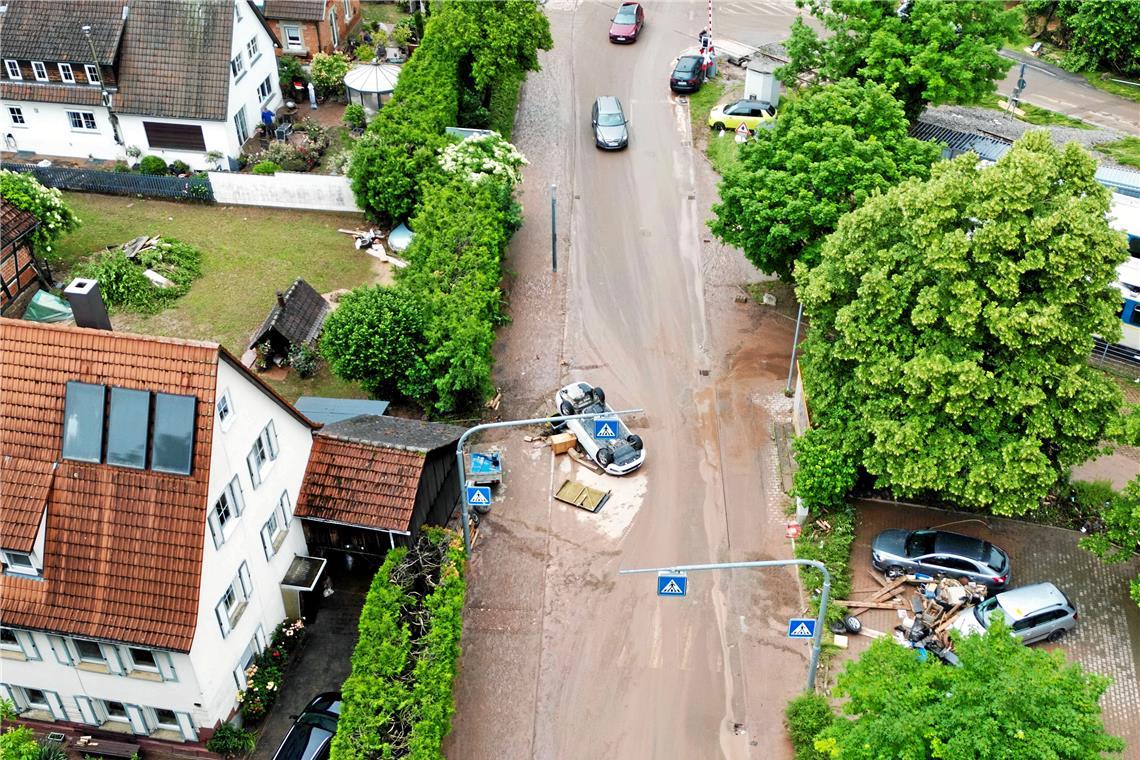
[719, 126]
[894, 572]
[605, 457]
[600, 395]
[635, 441]
[1056, 635]
[852, 624]
[482, 508]
[566, 409]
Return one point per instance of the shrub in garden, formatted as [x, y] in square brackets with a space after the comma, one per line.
[287, 156]
[304, 359]
[153, 165]
[364, 53]
[266, 167]
[230, 741]
[19, 743]
[289, 70]
[179, 167]
[354, 116]
[121, 167]
[484, 156]
[25, 192]
[807, 715]
[327, 73]
[122, 283]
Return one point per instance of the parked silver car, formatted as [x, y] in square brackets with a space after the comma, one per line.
[939, 553]
[1034, 613]
[611, 128]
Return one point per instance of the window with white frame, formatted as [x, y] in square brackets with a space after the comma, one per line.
[142, 659]
[37, 699]
[9, 641]
[16, 114]
[234, 600]
[165, 720]
[251, 49]
[241, 126]
[65, 73]
[263, 451]
[20, 562]
[13, 69]
[227, 508]
[285, 505]
[264, 90]
[40, 71]
[255, 647]
[225, 410]
[92, 73]
[272, 534]
[115, 711]
[237, 66]
[237, 12]
[347, 10]
[334, 29]
[292, 35]
[90, 651]
[83, 120]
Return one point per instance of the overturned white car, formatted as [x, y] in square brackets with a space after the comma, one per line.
[619, 455]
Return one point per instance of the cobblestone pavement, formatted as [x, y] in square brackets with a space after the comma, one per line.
[1107, 639]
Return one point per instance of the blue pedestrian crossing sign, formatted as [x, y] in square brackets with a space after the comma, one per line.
[672, 584]
[801, 628]
[605, 429]
[478, 496]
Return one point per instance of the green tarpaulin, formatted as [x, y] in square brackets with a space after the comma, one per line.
[44, 307]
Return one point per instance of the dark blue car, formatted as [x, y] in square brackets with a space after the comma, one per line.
[311, 735]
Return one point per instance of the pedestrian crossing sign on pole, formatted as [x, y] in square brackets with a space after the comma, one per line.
[478, 496]
[801, 628]
[672, 584]
[605, 429]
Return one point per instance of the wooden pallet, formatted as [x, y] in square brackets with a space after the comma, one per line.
[583, 497]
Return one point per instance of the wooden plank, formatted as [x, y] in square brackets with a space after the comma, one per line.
[855, 604]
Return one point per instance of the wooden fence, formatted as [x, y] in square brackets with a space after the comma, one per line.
[195, 188]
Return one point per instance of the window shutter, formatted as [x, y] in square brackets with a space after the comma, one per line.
[286, 507]
[236, 495]
[254, 467]
[87, 710]
[215, 529]
[239, 678]
[8, 693]
[56, 705]
[166, 666]
[246, 583]
[59, 647]
[186, 725]
[114, 661]
[137, 719]
[271, 434]
[19, 699]
[223, 618]
[28, 643]
[259, 637]
[266, 542]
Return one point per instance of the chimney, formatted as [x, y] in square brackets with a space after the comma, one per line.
[280, 299]
[87, 304]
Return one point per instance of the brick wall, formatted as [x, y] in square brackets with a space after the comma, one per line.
[317, 35]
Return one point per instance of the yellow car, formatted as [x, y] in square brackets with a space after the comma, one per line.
[750, 113]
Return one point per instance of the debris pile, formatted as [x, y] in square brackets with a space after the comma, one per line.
[371, 241]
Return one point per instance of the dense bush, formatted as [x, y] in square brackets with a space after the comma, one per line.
[504, 101]
[827, 539]
[398, 700]
[304, 359]
[25, 192]
[825, 473]
[354, 116]
[153, 165]
[266, 167]
[287, 156]
[179, 167]
[364, 53]
[807, 715]
[231, 741]
[289, 70]
[327, 72]
[123, 284]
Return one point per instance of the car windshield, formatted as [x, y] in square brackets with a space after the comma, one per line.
[626, 15]
[986, 611]
[610, 119]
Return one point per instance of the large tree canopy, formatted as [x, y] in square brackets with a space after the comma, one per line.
[936, 52]
[1006, 701]
[951, 323]
[832, 147]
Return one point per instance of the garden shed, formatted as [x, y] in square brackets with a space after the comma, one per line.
[373, 482]
[370, 84]
[19, 267]
[295, 320]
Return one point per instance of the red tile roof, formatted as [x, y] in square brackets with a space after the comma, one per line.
[24, 488]
[123, 551]
[358, 483]
[14, 222]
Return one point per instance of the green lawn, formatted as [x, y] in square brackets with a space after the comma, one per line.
[248, 254]
[722, 152]
[1125, 151]
[384, 12]
[1129, 91]
[1045, 118]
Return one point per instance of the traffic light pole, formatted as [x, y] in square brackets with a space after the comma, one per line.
[817, 638]
[508, 423]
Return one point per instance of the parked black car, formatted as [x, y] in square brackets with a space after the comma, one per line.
[311, 735]
[940, 554]
[687, 75]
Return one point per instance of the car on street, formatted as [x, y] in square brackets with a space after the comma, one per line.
[939, 553]
[687, 75]
[627, 23]
[753, 114]
[611, 128]
[620, 454]
[1040, 612]
[311, 735]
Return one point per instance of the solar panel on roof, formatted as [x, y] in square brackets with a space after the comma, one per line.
[173, 444]
[127, 426]
[83, 422]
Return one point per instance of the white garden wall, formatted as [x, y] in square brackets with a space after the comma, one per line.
[313, 192]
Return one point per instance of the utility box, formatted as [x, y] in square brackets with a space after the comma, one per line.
[563, 442]
[760, 81]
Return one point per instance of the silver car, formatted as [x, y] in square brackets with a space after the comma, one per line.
[611, 128]
[1034, 613]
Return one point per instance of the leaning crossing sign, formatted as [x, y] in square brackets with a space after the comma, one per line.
[801, 628]
[478, 496]
[605, 429]
[672, 584]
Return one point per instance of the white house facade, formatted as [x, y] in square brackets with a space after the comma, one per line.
[92, 79]
[149, 529]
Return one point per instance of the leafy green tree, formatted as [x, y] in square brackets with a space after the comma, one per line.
[327, 72]
[1103, 33]
[1006, 701]
[951, 324]
[499, 38]
[19, 743]
[832, 147]
[376, 337]
[826, 472]
[937, 52]
[1120, 538]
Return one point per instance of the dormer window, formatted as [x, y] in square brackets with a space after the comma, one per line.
[20, 563]
[13, 69]
[92, 74]
[9, 641]
[40, 71]
[66, 74]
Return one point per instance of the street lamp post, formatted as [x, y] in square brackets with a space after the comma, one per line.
[508, 423]
[103, 91]
[795, 345]
[817, 637]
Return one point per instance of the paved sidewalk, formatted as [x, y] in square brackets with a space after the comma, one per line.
[1107, 638]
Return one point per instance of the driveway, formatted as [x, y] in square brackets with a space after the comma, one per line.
[1107, 638]
[326, 659]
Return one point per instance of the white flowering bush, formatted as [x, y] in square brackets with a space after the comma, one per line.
[25, 192]
[484, 156]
